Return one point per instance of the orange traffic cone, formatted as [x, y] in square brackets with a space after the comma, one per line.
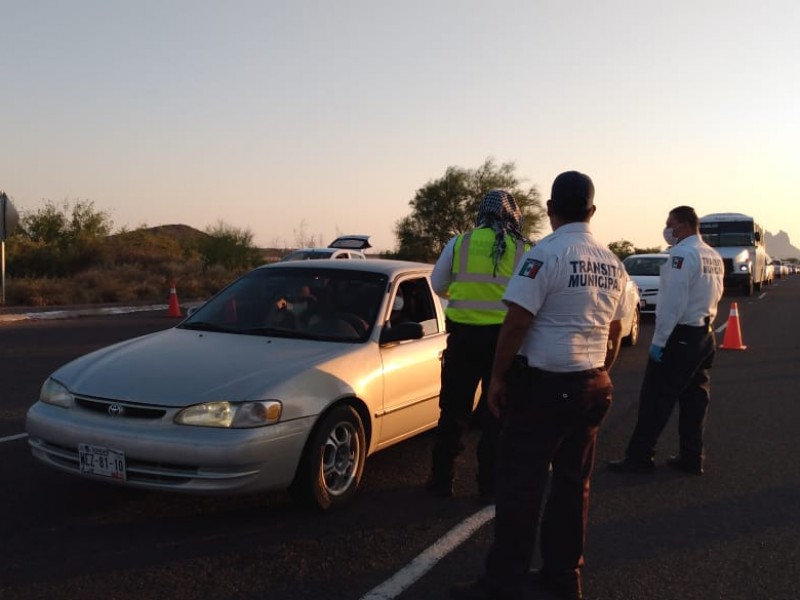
[733, 333]
[174, 307]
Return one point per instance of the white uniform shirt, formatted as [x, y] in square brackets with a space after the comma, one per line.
[574, 287]
[690, 287]
[442, 275]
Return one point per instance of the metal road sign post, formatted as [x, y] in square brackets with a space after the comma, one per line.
[9, 218]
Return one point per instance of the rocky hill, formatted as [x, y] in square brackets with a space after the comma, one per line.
[779, 246]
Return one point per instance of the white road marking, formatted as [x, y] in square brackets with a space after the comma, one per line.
[423, 563]
[722, 327]
[11, 438]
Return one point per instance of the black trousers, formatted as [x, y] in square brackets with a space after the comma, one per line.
[467, 362]
[682, 377]
[551, 420]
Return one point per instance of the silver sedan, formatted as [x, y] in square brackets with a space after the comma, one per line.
[286, 379]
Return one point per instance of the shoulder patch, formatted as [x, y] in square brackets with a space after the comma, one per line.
[530, 267]
[677, 262]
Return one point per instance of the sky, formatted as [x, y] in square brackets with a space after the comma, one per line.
[302, 120]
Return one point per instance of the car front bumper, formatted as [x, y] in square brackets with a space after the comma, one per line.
[165, 456]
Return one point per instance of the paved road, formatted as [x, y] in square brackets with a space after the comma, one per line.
[732, 534]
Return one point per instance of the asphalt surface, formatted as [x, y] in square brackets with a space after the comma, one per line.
[732, 534]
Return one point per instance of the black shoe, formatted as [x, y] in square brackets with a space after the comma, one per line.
[443, 489]
[566, 585]
[477, 590]
[627, 465]
[695, 467]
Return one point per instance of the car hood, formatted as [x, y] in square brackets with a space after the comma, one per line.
[180, 367]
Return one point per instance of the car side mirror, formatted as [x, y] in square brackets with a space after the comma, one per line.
[401, 332]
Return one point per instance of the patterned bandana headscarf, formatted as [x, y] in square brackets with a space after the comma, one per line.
[499, 212]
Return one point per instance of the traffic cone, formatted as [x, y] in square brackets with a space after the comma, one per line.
[174, 307]
[733, 333]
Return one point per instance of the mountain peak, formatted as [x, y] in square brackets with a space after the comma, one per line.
[779, 246]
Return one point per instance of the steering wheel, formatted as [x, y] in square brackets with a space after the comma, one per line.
[356, 322]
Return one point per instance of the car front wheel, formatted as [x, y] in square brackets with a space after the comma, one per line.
[333, 462]
[633, 337]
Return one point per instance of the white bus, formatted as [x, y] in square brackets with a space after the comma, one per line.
[739, 239]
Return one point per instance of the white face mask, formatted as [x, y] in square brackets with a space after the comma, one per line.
[669, 236]
[399, 303]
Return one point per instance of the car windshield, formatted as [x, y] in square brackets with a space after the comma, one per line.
[640, 265]
[320, 304]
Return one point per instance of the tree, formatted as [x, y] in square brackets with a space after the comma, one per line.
[229, 247]
[448, 206]
[56, 241]
[653, 250]
[65, 224]
[622, 248]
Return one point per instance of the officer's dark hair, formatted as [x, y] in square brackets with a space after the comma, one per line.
[572, 196]
[686, 214]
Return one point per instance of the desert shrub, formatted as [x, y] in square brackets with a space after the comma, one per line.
[130, 266]
[143, 248]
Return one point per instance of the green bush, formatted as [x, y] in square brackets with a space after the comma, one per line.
[49, 264]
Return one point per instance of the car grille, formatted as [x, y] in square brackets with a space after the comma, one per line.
[119, 409]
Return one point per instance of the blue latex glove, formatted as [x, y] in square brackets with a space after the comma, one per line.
[656, 352]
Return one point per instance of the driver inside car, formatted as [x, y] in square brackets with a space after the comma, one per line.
[294, 310]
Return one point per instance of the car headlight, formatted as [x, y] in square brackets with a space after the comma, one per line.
[232, 415]
[56, 394]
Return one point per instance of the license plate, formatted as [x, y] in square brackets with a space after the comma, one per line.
[103, 462]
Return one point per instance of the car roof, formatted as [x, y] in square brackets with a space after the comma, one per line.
[649, 255]
[374, 265]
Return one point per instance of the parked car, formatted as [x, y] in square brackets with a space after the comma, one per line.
[645, 270]
[346, 246]
[630, 322]
[288, 378]
[769, 275]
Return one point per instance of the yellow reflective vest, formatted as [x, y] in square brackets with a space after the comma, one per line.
[475, 292]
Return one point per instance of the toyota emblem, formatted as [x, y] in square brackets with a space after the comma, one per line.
[115, 410]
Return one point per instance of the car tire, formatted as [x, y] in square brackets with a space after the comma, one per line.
[333, 461]
[747, 288]
[633, 337]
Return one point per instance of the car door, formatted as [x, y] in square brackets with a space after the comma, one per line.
[412, 368]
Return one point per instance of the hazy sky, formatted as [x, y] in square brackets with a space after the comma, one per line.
[312, 118]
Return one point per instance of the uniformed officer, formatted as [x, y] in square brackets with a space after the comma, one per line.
[472, 273]
[550, 376]
[683, 348]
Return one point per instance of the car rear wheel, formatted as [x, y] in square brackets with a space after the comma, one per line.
[633, 337]
[333, 462]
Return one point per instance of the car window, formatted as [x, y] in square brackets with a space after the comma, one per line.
[413, 302]
[325, 304]
[635, 265]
